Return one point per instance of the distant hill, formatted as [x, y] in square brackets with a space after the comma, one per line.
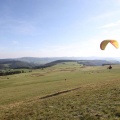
[84, 62]
[31, 62]
[37, 61]
[45, 60]
[54, 63]
[97, 62]
[14, 64]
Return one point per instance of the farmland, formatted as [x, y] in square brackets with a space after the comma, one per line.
[97, 96]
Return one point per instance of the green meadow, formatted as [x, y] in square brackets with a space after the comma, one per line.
[97, 96]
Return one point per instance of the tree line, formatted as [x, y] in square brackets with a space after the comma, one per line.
[3, 73]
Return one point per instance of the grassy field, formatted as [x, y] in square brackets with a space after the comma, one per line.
[98, 96]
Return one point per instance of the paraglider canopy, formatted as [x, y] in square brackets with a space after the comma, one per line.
[105, 42]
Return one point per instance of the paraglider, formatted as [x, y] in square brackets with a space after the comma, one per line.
[105, 42]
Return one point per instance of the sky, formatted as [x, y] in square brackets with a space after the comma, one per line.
[58, 28]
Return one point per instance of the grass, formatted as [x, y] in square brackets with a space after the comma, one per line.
[97, 98]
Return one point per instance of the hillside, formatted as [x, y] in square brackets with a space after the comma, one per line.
[62, 92]
[48, 62]
[45, 60]
[97, 62]
[84, 62]
[14, 64]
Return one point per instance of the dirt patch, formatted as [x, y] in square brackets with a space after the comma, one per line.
[37, 74]
[58, 93]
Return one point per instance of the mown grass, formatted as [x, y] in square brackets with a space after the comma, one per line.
[97, 98]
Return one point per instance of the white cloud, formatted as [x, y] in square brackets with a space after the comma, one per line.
[110, 25]
[105, 15]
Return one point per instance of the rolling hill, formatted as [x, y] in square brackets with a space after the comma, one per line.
[31, 62]
[14, 64]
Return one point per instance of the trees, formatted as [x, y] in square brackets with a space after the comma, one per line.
[8, 72]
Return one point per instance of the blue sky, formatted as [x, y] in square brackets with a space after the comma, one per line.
[58, 28]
